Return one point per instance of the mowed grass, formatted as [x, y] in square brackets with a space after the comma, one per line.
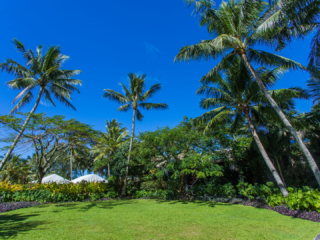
[152, 219]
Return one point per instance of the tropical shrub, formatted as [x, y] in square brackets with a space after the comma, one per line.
[53, 192]
[218, 190]
[151, 185]
[299, 198]
[158, 194]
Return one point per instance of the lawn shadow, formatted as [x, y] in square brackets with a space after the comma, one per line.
[13, 224]
[198, 202]
[86, 206]
[106, 204]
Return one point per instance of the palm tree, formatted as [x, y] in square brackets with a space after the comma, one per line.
[236, 96]
[135, 98]
[237, 28]
[43, 71]
[110, 141]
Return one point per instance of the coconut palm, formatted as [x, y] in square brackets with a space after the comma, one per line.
[235, 96]
[135, 98]
[110, 141]
[237, 28]
[41, 72]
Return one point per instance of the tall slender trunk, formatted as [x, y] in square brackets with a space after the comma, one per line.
[124, 190]
[108, 168]
[284, 120]
[71, 165]
[16, 140]
[280, 172]
[265, 156]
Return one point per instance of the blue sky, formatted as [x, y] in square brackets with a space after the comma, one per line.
[109, 39]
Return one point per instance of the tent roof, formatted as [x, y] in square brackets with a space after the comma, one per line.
[89, 178]
[54, 178]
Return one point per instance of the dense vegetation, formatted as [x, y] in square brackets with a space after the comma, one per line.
[251, 142]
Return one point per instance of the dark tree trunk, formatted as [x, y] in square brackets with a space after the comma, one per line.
[124, 190]
[284, 120]
[265, 156]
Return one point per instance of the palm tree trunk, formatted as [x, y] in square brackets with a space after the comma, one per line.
[284, 120]
[71, 165]
[108, 168]
[266, 157]
[124, 190]
[280, 171]
[16, 140]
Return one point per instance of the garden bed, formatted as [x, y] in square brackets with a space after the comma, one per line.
[259, 203]
[9, 206]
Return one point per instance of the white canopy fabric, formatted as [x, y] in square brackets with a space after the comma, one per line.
[54, 178]
[89, 178]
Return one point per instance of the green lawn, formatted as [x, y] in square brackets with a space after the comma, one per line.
[151, 219]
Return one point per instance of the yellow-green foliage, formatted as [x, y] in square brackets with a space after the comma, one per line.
[7, 187]
[71, 188]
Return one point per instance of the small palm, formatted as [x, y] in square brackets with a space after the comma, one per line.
[136, 98]
[110, 141]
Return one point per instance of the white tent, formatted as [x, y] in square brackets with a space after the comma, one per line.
[54, 178]
[89, 178]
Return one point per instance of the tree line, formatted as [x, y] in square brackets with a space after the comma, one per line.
[238, 96]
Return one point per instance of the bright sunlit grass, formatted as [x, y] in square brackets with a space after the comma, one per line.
[151, 219]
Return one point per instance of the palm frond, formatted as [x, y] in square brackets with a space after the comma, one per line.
[154, 106]
[200, 6]
[222, 65]
[149, 94]
[273, 60]
[47, 96]
[202, 50]
[51, 58]
[21, 83]
[12, 67]
[24, 100]
[124, 108]
[139, 115]
[62, 97]
[314, 56]
[115, 96]
[126, 91]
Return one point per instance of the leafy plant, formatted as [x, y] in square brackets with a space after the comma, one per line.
[53, 192]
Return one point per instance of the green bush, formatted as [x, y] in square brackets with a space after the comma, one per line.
[41, 195]
[216, 190]
[298, 199]
[151, 185]
[226, 190]
[158, 194]
[256, 190]
[52, 192]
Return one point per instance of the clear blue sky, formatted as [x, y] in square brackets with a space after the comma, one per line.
[109, 39]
